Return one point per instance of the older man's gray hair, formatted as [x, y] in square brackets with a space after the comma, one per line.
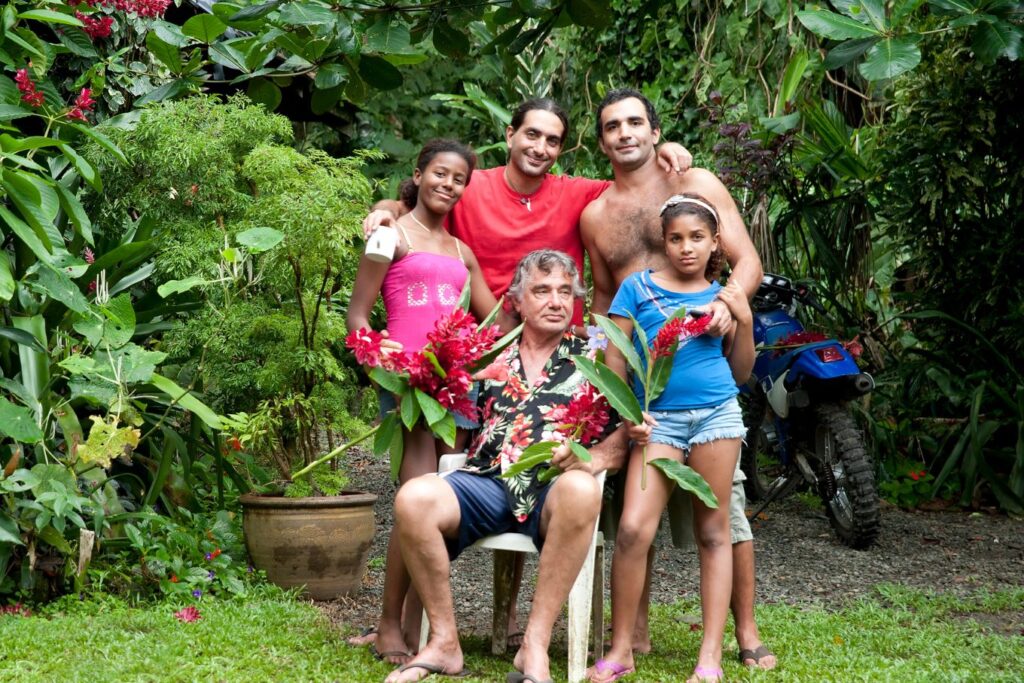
[544, 260]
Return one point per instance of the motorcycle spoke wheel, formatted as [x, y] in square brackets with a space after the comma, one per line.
[759, 458]
[846, 479]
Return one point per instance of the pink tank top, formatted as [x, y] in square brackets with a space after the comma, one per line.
[419, 289]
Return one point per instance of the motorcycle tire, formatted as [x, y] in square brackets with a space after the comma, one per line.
[758, 459]
[847, 486]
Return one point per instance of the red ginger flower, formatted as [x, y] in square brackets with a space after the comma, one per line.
[83, 103]
[95, 28]
[678, 330]
[366, 345]
[29, 94]
[584, 417]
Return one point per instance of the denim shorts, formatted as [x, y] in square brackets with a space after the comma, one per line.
[388, 403]
[484, 510]
[684, 429]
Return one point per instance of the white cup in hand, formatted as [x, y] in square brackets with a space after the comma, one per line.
[381, 245]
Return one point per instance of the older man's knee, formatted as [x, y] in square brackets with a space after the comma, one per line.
[577, 490]
[417, 497]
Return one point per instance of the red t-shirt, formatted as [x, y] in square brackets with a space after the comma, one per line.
[500, 230]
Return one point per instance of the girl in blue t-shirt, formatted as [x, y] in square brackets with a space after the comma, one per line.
[696, 420]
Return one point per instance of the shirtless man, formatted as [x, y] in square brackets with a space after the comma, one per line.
[621, 231]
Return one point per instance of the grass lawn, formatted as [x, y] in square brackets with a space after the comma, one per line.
[899, 635]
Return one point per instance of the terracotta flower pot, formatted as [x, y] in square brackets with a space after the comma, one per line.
[321, 542]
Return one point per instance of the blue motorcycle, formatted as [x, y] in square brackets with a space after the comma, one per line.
[799, 426]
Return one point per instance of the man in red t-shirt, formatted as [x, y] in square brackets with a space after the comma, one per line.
[508, 211]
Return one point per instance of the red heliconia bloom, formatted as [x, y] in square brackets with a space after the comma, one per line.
[95, 28]
[802, 337]
[235, 443]
[188, 614]
[676, 331]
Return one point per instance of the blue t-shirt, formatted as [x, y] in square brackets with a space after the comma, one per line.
[701, 377]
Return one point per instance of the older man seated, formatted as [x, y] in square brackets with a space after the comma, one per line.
[439, 516]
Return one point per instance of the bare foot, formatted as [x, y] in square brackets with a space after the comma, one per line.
[532, 661]
[389, 646]
[758, 656]
[366, 637]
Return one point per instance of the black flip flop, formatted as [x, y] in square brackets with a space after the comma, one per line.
[757, 654]
[519, 677]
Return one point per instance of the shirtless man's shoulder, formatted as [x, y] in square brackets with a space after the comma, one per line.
[622, 225]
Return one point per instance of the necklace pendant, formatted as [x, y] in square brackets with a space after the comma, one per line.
[526, 200]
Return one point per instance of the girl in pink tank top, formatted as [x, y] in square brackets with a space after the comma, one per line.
[419, 286]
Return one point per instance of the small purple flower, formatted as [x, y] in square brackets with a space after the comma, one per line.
[596, 338]
[211, 575]
[209, 556]
[197, 594]
[249, 569]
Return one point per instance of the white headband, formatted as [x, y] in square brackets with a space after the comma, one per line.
[680, 199]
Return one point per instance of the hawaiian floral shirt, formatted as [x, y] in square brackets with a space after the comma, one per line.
[515, 414]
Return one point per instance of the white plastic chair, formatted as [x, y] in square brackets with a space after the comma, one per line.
[586, 598]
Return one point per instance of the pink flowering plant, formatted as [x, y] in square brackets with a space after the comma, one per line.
[651, 371]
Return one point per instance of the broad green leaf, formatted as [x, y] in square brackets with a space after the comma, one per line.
[845, 52]
[225, 54]
[533, 455]
[264, 91]
[258, 240]
[795, 70]
[133, 278]
[9, 531]
[75, 212]
[873, 12]
[120, 321]
[56, 539]
[445, 429]
[835, 26]
[433, 411]
[579, 451]
[449, 41]
[397, 451]
[186, 400]
[255, 11]
[83, 167]
[167, 91]
[170, 33]
[21, 336]
[330, 76]
[687, 479]
[382, 439]
[51, 17]
[410, 410]
[78, 43]
[77, 364]
[323, 101]
[35, 366]
[612, 387]
[623, 343]
[590, 13]
[58, 286]
[388, 381]
[26, 234]
[18, 423]
[204, 27]
[997, 39]
[102, 140]
[107, 440]
[464, 295]
[306, 13]
[31, 204]
[6, 278]
[387, 36]
[890, 58]
[167, 53]
[379, 73]
[9, 112]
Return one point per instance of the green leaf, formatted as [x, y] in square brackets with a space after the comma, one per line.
[172, 287]
[835, 26]
[889, 58]
[324, 100]
[382, 439]
[58, 286]
[101, 140]
[306, 13]
[582, 453]
[464, 296]
[410, 410]
[264, 91]
[433, 412]
[26, 234]
[170, 33]
[590, 13]
[387, 36]
[9, 112]
[9, 531]
[687, 479]
[330, 76]
[21, 336]
[6, 279]
[18, 423]
[450, 42]
[445, 429]
[258, 240]
[397, 449]
[205, 28]
[167, 53]
[51, 17]
[379, 73]
[845, 52]
[612, 387]
[83, 167]
[187, 401]
[120, 321]
[75, 212]
[532, 456]
[255, 11]
[997, 39]
[795, 71]
[167, 91]
[388, 381]
[623, 343]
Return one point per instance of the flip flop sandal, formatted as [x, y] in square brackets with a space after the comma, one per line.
[434, 669]
[605, 666]
[517, 677]
[708, 673]
[387, 656]
[757, 654]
